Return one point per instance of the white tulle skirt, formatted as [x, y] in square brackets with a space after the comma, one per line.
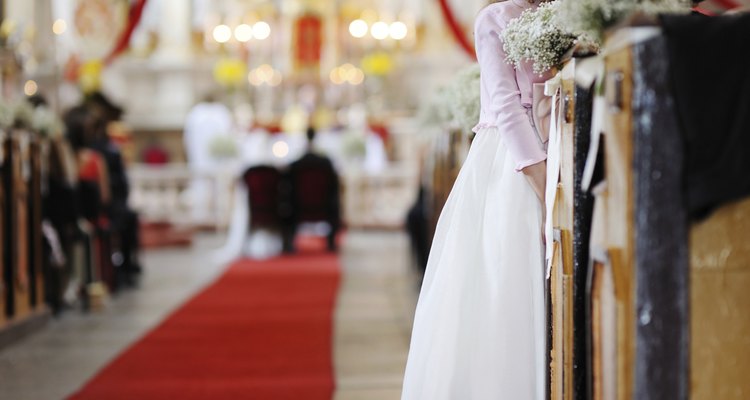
[479, 330]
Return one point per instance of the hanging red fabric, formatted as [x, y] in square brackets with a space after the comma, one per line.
[134, 18]
[456, 29]
[704, 12]
[728, 4]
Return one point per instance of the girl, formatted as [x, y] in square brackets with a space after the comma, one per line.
[479, 329]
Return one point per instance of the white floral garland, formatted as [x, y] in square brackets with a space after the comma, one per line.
[464, 98]
[47, 123]
[545, 34]
[593, 17]
[457, 104]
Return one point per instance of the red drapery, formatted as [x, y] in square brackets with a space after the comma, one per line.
[728, 4]
[134, 18]
[456, 29]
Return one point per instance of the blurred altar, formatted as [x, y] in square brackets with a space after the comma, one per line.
[357, 71]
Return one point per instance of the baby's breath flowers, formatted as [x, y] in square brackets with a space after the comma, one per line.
[537, 36]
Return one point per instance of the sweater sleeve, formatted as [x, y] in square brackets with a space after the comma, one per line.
[499, 79]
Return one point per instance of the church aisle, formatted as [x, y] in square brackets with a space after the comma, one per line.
[59, 359]
[372, 322]
[261, 331]
[374, 316]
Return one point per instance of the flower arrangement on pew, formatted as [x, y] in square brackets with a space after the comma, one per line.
[594, 17]
[47, 123]
[19, 114]
[463, 97]
[558, 30]
[435, 111]
[456, 104]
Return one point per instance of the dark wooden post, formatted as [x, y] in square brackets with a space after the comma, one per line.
[661, 232]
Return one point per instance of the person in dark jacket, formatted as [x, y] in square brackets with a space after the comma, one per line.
[313, 194]
[124, 220]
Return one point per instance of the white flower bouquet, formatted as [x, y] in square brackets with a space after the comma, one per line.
[593, 17]
[223, 147]
[354, 144]
[538, 36]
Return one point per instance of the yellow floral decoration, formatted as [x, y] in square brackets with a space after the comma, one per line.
[230, 72]
[378, 64]
[90, 76]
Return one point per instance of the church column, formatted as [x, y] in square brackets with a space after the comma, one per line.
[172, 64]
[174, 31]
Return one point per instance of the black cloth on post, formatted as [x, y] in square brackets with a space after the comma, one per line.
[710, 64]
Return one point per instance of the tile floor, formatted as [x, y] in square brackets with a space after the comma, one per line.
[373, 321]
[373, 317]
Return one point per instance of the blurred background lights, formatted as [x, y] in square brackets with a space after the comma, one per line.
[243, 33]
[30, 88]
[261, 30]
[336, 77]
[398, 30]
[276, 79]
[356, 76]
[59, 27]
[380, 30]
[222, 33]
[280, 149]
[358, 28]
[347, 73]
[265, 75]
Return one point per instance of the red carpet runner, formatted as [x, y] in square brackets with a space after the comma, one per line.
[262, 331]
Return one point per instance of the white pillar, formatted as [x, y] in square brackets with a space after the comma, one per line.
[171, 67]
[174, 32]
[44, 42]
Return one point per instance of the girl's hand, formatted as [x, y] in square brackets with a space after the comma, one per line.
[537, 177]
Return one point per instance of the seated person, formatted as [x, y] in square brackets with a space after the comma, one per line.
[124, 220]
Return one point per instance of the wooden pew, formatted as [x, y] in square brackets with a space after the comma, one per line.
[3, 220]
[36, 246]
[613, 245]
[571, 221]
[21, 237]
[561, 275]
[640, 291]
[720, 300]
[21, 228]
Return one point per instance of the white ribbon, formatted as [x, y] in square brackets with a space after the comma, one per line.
[592, 70]
[554, 154]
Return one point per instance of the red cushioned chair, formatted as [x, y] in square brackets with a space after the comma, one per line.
[313, 197]
[264, 197]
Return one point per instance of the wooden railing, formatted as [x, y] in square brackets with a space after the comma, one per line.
[161, 193]
[369, 200]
